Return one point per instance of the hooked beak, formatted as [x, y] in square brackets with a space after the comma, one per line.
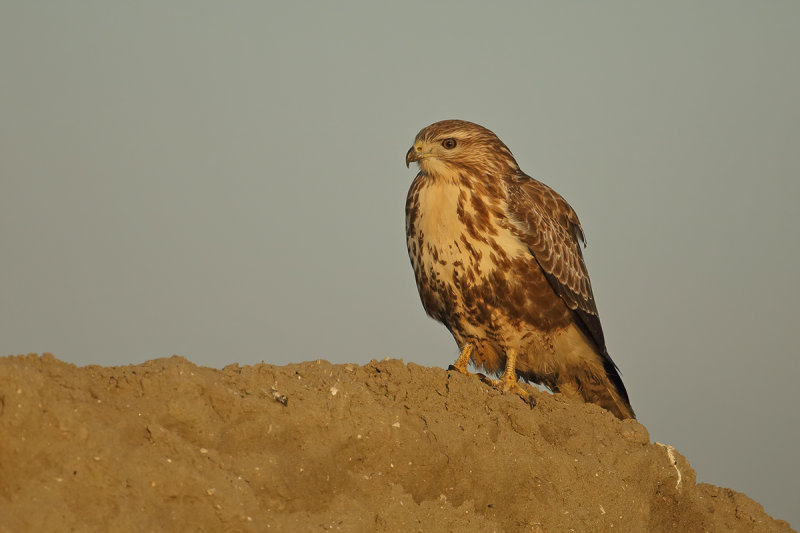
[414, 153]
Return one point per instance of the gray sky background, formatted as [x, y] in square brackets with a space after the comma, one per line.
[226, 181]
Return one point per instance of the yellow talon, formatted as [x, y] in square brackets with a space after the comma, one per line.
[508, 381]
[463, 360]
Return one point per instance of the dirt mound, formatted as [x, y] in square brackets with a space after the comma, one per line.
[169, 446]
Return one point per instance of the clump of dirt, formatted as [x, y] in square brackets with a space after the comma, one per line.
[170, 446]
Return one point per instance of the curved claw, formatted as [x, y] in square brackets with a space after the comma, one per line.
[463, 360]
[508, 381]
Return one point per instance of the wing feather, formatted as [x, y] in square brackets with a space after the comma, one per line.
[550, 228]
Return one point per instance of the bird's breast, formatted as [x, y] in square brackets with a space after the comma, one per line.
[472, 271]
[438, 226]
[456, 228]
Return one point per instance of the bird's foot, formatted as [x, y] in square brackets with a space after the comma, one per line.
[510, 384]
[463, 360]
[460, 370]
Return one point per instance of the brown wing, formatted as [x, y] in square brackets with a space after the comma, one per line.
[551, 230]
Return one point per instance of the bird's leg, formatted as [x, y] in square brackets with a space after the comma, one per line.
[463, 360]
[508, 381]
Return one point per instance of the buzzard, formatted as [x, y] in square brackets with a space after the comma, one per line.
[497, 259]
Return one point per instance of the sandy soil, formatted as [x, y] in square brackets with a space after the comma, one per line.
[169, 446]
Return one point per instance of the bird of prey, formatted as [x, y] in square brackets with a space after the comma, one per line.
[497, 259]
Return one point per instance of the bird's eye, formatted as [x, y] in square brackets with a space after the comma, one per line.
[449, 143]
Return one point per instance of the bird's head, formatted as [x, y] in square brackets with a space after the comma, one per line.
[451, 146]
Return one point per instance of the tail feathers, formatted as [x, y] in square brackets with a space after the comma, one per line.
[601, 387]
[606, 396]
[608, 391]
[616, 390]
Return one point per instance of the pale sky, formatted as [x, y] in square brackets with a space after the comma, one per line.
[226, 181]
